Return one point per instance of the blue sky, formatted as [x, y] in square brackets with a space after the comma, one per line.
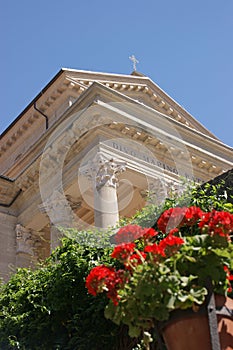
[186, 47]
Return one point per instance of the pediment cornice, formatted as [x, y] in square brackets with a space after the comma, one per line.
[145, 86]
[87, 92]
[71, 84]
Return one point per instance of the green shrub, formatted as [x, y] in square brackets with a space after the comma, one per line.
[49, 308]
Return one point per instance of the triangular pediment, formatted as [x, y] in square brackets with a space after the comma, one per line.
[75, 88]
[142, 89]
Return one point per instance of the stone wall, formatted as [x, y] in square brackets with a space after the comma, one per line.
[8, 244]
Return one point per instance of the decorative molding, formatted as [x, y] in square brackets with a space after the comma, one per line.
[28, 179]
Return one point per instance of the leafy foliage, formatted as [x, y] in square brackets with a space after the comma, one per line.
[48, 308]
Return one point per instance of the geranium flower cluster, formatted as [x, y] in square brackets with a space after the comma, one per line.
[178, 217]
[173, 222]
[166, 247]
[217, 223]
[103, 278]
[107, 279]
[130, 233]
[214, 222]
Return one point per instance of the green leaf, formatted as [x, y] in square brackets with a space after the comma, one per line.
[134, 331]
[190, 258]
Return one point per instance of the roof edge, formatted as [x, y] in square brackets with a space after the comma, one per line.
[33, 101]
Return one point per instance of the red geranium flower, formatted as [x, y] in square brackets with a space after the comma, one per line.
[170, 241]
[95, 281]
[171, 218]
[178, 217]
[130, 233]
[149, 233]
[191, 216]
[135, 259]
[123, 251]
[173, 231]
[155, 249]
[217, 223]
[170, 244]
[102, 278]
[114, 282]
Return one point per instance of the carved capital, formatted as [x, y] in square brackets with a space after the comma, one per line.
[57, 208]
[161, 188]
[157, 191]
[103, 171]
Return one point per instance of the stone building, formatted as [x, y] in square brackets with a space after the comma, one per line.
[84, 152]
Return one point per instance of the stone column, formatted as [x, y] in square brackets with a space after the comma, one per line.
[60, 214]
[103, 173]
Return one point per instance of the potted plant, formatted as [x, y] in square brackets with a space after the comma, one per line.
[166, 269]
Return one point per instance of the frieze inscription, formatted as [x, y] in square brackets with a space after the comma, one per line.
[151, 160]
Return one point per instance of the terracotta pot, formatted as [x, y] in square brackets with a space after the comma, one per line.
[191, 331]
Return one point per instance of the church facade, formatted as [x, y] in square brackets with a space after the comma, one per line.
[86, 150]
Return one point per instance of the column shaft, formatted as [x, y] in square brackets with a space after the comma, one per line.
[106, 207]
